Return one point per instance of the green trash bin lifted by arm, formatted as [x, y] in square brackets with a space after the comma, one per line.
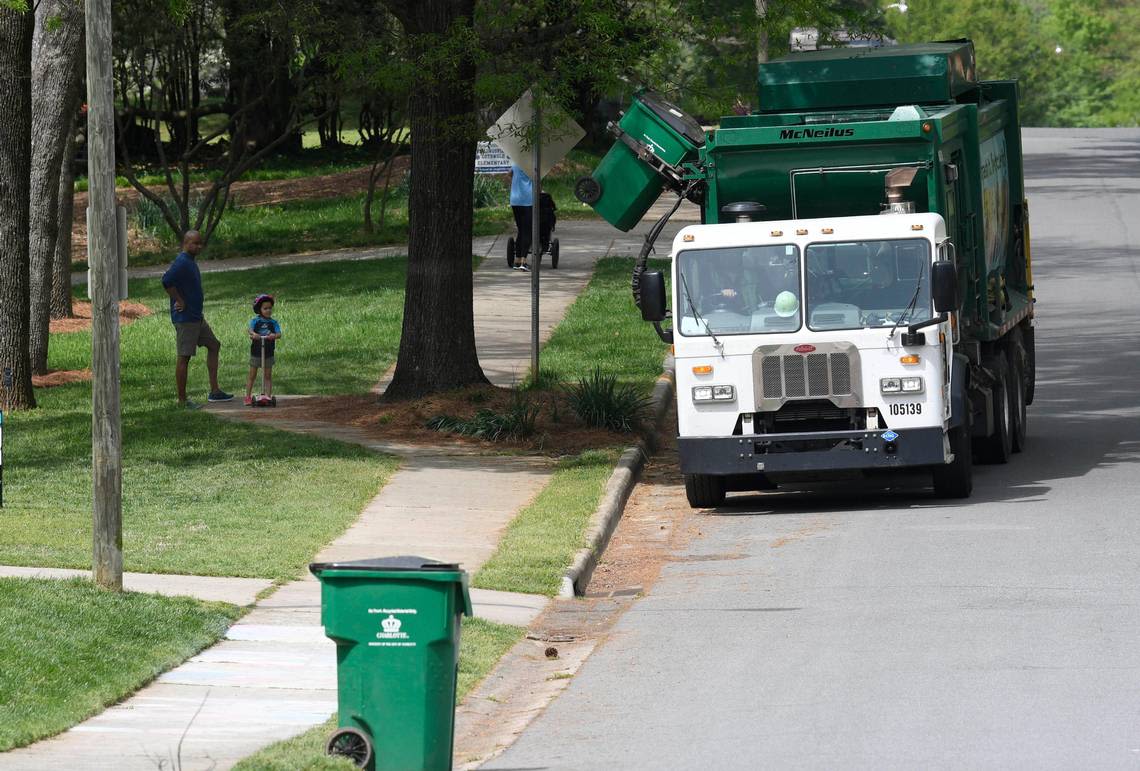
[396, 624]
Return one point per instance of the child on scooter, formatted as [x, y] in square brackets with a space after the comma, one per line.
[263, 329]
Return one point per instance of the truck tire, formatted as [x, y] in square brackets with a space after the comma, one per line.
[998, 446]
[1017, 394]
[956, 479]
[1030, 363]
[704, 491]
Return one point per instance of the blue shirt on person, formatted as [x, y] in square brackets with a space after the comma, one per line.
[261, 327]
[522, 190]
[184, 275]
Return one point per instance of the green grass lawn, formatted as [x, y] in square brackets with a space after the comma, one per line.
[540, 543]
[481, 645]
[311, 162]
[604, 329]
[601, 329]
[71, 649]
[332, 223]
[201, 495]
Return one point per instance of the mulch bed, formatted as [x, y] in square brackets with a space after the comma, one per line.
[558, 431]
[128, 312]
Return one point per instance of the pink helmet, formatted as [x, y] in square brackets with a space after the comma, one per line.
[257, 301]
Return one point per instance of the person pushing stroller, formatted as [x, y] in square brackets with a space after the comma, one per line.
[263, 330]
[522, 205]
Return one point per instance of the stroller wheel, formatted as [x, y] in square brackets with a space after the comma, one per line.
[511, 252]
[554, 254]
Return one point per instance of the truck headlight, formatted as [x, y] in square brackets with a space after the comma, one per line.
[890, 385]
[912, 385]
[714, 393]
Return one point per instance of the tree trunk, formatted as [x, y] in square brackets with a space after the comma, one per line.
[61, 265]
[762, 32]
[15, 151]
[56, 72]
[260, 65]
[437, 346]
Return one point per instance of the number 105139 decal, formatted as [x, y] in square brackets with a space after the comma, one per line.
[906, 408]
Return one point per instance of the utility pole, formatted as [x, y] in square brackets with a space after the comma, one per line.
[106, 428]
[535, 244]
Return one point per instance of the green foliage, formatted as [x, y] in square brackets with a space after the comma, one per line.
[1077, 61]
[487, 191]
[71, 649]
[599, 400]
[517, 422]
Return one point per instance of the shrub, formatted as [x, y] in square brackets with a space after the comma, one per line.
[488, 191]
[518, 421]
[147, 217]
[600, 401]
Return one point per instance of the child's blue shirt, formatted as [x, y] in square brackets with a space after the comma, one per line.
[262, 326]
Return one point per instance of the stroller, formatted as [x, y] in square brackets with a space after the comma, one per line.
[547, 218]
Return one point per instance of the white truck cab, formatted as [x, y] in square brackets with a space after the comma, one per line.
[809, 347]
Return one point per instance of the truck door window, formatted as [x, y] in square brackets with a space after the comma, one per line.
[866, 283]
[739, 290]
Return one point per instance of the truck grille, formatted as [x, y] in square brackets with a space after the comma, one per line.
[796, 376]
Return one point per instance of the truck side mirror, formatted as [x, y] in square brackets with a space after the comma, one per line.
[652, 296]
[944, 286]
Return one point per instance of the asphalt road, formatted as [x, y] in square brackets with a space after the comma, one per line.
[886, 629]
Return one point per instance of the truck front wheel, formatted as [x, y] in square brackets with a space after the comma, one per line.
[704, 491]
[956, 479]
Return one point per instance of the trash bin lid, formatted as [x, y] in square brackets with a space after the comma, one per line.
[408, 562]
[672, 116]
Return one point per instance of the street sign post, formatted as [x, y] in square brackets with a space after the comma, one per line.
[527, 133]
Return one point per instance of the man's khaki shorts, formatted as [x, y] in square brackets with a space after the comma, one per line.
[192, 335]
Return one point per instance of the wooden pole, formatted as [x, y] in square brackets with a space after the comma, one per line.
[535, 244]
[106, 430]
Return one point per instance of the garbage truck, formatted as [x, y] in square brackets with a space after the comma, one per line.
[858, 297]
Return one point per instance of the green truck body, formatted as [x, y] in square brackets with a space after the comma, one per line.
[831, 126]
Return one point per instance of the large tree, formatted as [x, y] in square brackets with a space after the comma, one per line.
[16, 26]
[437, 346]
[463, 57]
[57, 71]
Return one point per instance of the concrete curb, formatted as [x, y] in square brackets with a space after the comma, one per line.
[605, 518]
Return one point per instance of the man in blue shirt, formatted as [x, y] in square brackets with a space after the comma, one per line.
[183, 282]
[522, 201]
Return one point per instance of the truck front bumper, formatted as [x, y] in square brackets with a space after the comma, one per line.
[815, 451]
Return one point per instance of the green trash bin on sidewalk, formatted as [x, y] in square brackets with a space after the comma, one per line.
[396, 624]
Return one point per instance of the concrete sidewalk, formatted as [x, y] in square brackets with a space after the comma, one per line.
[274, 675]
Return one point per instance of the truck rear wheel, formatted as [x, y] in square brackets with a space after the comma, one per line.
[1017, 395]
[997, 447]
[956, 479]
[704, 491]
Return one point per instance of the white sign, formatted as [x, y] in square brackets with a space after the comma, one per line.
[491, 159]
[513, 130]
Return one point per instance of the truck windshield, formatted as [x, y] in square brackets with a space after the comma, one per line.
[739, 290]
[859, 284]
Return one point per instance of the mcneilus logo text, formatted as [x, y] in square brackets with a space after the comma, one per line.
[816, 133]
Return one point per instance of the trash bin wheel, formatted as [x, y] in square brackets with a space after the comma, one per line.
[554, 254]
[511, 252]
[351, 743]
